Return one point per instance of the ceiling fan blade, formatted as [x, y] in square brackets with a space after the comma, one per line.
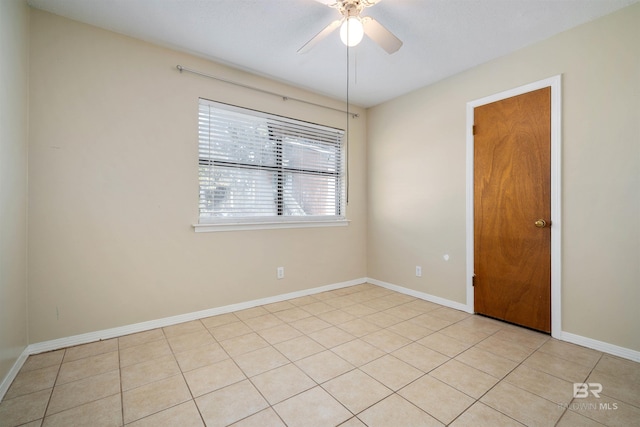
[381, 35]
[321, 35]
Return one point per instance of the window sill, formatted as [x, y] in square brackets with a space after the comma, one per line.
[241, 226]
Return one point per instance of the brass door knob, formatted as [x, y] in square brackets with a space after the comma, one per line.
[541, 223]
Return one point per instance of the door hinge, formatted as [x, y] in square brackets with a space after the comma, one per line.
[473, 280]
[473, 129]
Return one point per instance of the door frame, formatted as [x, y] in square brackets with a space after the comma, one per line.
[555, 83]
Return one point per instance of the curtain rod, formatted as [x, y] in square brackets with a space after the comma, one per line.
[284, 97]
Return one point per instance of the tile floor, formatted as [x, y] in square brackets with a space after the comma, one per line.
[358, 356]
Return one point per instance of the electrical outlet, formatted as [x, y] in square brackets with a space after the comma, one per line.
[280, 273]
[418, 271]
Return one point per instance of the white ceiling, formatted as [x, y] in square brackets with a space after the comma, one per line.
[441, 37]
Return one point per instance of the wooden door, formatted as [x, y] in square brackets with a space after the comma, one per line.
[512, 209]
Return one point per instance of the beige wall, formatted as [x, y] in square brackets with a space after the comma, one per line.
[14, 71]
[114, 189]
[416, 175]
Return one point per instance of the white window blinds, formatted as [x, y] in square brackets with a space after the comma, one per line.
[255, 166]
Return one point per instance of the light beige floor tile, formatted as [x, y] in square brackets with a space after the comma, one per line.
[624, 389]
[312, 408]
[190, 340]
[341, 302]
[396, 411]
[200, 356]
[36, 423]
[292, 314]
[482, 415]
[544, 385]
[230, 404]
[392, 372]
[356, 390]
[403, 312]
[464, 333]
[300, 301]
[91, 349]
[299, 348]
[443, 344]
[420, 357]
[184, 415]
[382, 320]
[317, 308]
[282, 383]
[32, 381]
[265, 418]
[572, 352]
[439, 400]
[422, 305]
[572, 419]
[213, 377]
[336, 317]
[430, 322]
[449, 314]
[561, 368]
[250, 313]
[331, 337]
[279, 333]
[147, 372]
[359, 327]
[144, 352]
[464, 378]
[310, 324]
[381, 304]
[522, 336]
[183, 328]
[105, 412]
[230, 330]
[259, 361]
[279, 306]
[154, 397]
[23, 409]
[410, 330]
[617, 367]
[358, 352]
[606, 410]
[483, 324]
[87, 367]
[523, 406]
[324, 366]
[265, 321]
[83, 391]
[507, 349]
[353, 422]
[386, 340]
[359, 310]
[243, 344]
[140, 338]
[219, 320]
[487, 362]
[43, 360]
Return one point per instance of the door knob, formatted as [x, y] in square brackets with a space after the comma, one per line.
[541, 223]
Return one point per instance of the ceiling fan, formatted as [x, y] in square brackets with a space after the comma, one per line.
[353, 26]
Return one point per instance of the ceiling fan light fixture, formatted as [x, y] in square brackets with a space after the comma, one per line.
[351, 31]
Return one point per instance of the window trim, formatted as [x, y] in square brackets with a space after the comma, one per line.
[278, 221]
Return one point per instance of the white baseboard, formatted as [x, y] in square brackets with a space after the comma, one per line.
[168, 321]
[421, 295]
[11, 375]
[602, 346]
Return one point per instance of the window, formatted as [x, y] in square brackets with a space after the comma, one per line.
[259, 168]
